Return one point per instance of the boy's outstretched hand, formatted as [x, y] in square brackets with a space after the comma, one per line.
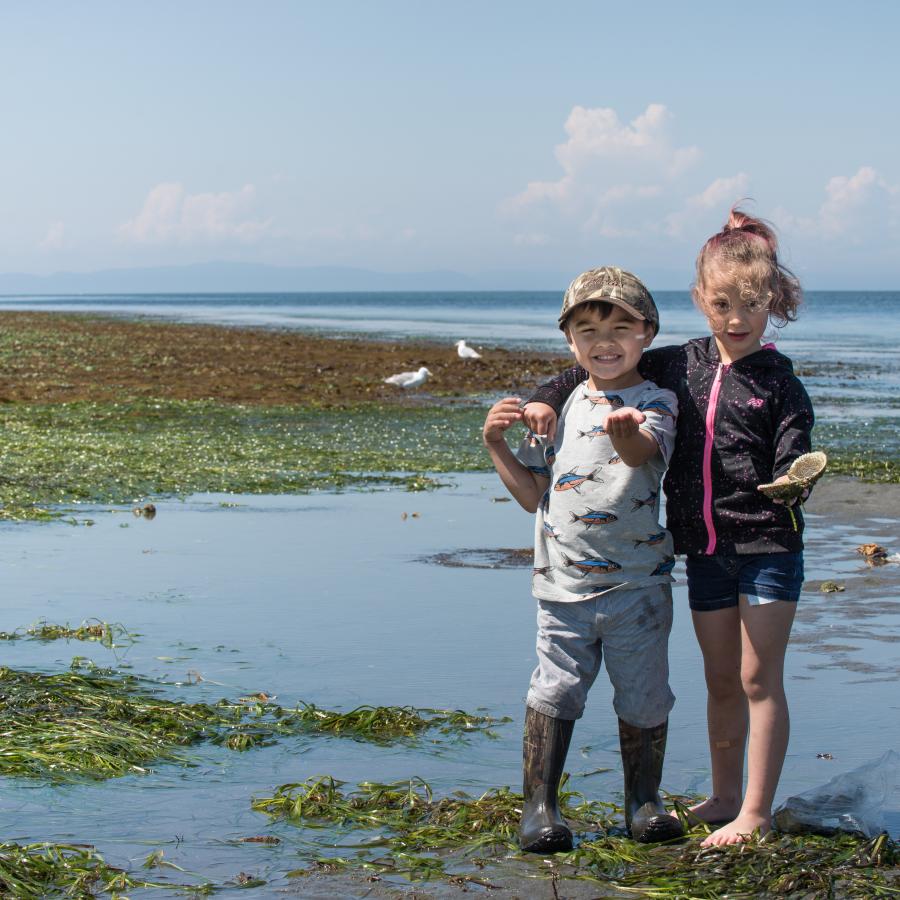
[624, 422]
[501, 415]
[541, 419]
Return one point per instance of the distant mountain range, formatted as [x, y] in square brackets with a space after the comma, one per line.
[232, 277]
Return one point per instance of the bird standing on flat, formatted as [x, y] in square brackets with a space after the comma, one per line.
[466, 352]
[409, 379]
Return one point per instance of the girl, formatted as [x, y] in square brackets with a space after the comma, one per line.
[743, 418]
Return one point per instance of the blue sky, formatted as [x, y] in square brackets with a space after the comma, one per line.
[476, 137]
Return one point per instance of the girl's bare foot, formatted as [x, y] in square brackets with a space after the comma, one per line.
[739, 831]
[715, 811]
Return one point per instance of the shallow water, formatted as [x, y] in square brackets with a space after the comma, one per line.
[323, 598]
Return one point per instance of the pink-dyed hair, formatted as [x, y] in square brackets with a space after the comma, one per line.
[745, 253]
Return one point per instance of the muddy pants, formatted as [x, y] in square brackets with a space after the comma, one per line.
[630, 628]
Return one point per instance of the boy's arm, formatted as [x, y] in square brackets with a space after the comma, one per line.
[526, 487]
[543, 406]
[635, 445]
[646, 433]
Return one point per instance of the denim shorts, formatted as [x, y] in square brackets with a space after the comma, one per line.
[716, 582]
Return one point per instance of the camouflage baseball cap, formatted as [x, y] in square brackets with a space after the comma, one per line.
[615, 286]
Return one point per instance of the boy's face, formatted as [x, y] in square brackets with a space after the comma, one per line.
[609, 349]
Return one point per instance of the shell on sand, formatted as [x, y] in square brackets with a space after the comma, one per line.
[804, 472]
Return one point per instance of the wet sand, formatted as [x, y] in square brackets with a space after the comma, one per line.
[849, 499]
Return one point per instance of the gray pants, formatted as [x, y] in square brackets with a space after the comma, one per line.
[630, 627]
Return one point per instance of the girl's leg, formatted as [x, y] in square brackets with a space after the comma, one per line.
[719, 635]
[765, 630]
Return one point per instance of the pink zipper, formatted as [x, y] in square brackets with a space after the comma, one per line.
[707, 459]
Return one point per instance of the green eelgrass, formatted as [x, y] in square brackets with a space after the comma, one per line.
[386, 723]
[89, 630]
[777, 866]
[38, 871]
[102, 724]
[91, 725]
[119, 453]
[421, 837]
[415, 819]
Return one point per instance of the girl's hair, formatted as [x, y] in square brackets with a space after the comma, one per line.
[745, 252]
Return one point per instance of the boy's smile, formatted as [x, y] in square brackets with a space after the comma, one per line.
[610, 348]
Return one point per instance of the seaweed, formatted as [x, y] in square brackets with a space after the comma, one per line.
[422, 837]
[100, 724]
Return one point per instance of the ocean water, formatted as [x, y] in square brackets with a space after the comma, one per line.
[834, 326]
[844, 345]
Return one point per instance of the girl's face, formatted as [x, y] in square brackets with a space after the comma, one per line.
[738, 314]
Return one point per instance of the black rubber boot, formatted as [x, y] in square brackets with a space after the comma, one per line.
[543, 829]
[643, 752]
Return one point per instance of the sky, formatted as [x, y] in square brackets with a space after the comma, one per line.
[512, 138]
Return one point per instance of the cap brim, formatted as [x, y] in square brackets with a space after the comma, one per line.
[599, 297]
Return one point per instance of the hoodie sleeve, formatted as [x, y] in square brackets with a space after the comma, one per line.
[556, 391]
[793, 427]
[655, 365]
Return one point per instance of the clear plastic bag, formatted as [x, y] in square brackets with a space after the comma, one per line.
[852, 801]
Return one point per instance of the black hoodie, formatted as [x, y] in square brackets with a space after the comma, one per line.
[739, 425]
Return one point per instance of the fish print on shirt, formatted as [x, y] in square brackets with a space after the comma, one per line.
[665, 567]
[649, 500]
[596, 565]
[571, 480]
[658, 406]
[613, 400]
[652, 539]
[597, 525]
[595, 517]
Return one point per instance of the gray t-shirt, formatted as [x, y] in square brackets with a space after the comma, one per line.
[597, 526]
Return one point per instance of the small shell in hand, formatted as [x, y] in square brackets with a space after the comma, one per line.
[804, 472]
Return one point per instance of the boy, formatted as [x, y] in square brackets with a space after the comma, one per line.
[602, 562]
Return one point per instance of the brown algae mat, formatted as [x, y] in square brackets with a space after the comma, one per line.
[61, 357]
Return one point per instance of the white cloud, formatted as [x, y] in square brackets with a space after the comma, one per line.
[171, 215]
[55, 237]
[598, 134]
[720, 195]
[859, 208]
[613, 174]
[847, 198]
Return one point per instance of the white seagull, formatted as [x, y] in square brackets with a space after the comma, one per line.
[466, 352]
[409, 379]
